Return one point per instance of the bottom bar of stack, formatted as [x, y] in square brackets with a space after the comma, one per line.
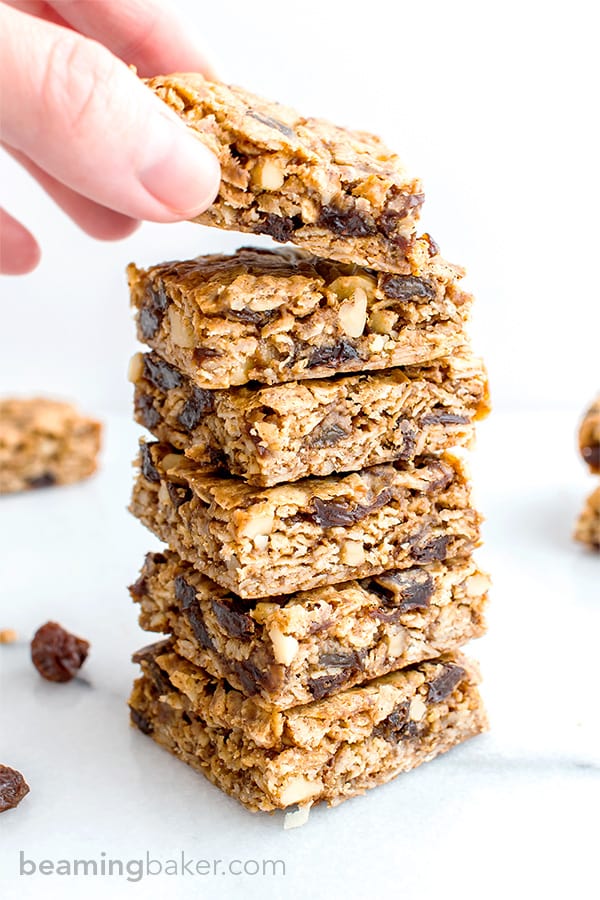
[327, 750]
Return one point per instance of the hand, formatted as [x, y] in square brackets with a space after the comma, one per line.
[81, 122]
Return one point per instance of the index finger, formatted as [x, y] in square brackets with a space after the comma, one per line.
[140, 32]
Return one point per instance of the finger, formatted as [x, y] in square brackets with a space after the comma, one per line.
[37, 8]
[98, 221]
[84, 118]
[141, 32]
[19, 250]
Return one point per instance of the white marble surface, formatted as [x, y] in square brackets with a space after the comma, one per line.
[513, 813]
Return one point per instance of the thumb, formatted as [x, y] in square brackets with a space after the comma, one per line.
[81, 115]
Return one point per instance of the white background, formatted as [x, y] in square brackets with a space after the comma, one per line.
[494, 105]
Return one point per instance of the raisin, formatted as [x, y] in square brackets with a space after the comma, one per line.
[201, 354]
[253, 678]
[186, 595]
[149, 653]
[199, 404]
[337, 659]
[346, 222]
[326, 684]
[432, 248]
[144, 408]
[280, 228]
[13, 788]
[237, 623]
[332, 355]
[149, 470]
[138, 589]
[403, 589]
[153, 310]
[258, 317]
[160, 373]
[428, 550]
[591, 456]
[42, 481]
[409, 439]
[57, 654]
[328, 433]
[184, 591]
[442, 418]
[397, 726]
[331, 513]
[141, 721]
[179, 493]
[159, 678]
[407, 287]
[444, 684]
[272, 123]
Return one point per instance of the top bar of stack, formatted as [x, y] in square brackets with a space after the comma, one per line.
[339, 194]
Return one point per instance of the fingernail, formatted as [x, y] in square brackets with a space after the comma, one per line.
[181, 172]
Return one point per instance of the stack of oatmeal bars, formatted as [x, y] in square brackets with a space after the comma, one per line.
[319, 580]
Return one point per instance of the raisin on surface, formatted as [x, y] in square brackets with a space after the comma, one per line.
[441, 418]
[149, 470]
[331, 513]
[141, 721]
[405, 287]
[13, 788]
[57, 654]
[442, 686]
[332, 355]
[270, 122]
[280, 228]
[144, 407]
[323, 686]
[258, 317]
[199, 404]
[346, 222]
[186, 594]
[424, 550]
[397, 726]
[152, 311]
[179, 493]
[234, 622]
[42, 481]
[403, 589]
[159, 373]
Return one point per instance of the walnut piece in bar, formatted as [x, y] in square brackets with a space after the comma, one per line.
[340, 194]
[328, 750]
[589, 437]
[269, 435]
[281, 315]
[45, 442]
[278, 540]
[587, 529]
[285, 651]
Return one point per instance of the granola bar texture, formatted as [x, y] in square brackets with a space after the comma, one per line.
[281, 315]
[45, 442]
[589, 436]
[328, 750]
[338, 193]
[587, 529]
[284, 432]
[263, 542]
[306, 646]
